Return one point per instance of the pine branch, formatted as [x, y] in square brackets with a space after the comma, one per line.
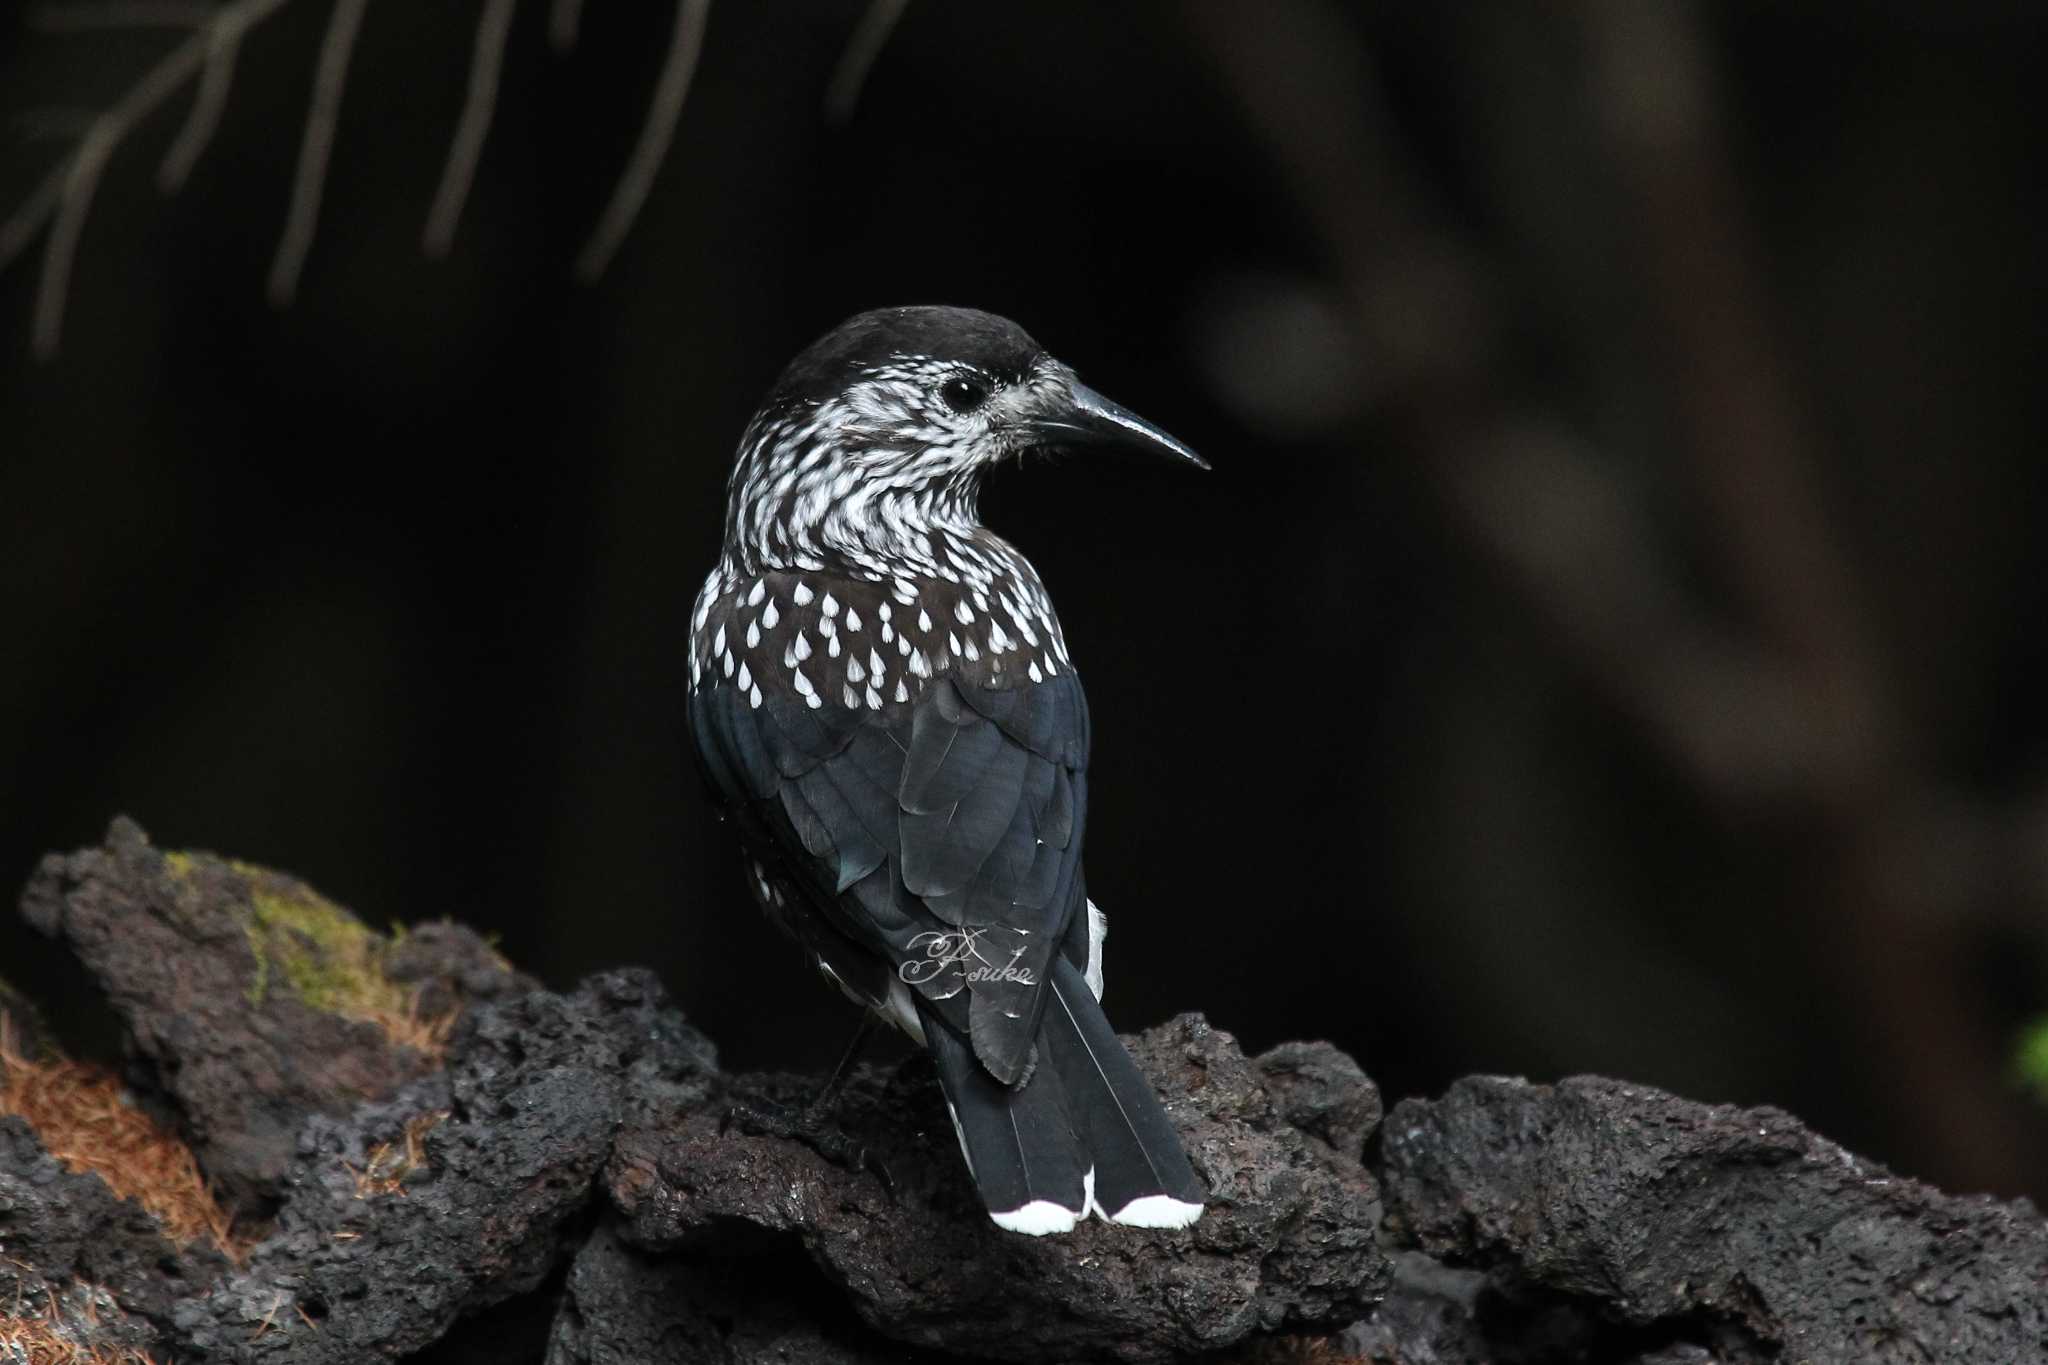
[666, 106]
[330, 77]
[492, 27]
[61, 204]
[870, 36]
[225, 43]
[565, 17]
[63, 200]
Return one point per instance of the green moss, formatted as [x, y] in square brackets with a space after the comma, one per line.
[2030, 1062]
[326, 957]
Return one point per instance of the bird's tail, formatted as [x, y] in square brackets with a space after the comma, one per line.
[1085, 1134]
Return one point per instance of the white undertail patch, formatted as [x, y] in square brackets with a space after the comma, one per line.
[901, 1010]
[1098, 930]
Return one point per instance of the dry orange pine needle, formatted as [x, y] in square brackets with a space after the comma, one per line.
[83, 1120]
[41, 1341]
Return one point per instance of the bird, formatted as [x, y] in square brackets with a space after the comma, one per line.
[882, 702]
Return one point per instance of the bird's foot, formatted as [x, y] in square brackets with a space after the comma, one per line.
[812, 1125]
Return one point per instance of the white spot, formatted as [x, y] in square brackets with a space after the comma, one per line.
[760, 591]
[1042, 1216]
[883, 611]
[924, 620]
[754, 697]
[998, 639]
[852, 619]
[770, 616]
[952, 642]
[854, 672]
[1098, 930]
[826, 628]
[746, 679]
[902, 694]
[1156, 1211]
[830, 606]
[919, 664]
[832, 644]
[874, 699]
[970, 651]
[964, 612]
[888, 633]
[903, 645]
[802, 647]
[1050, 670]
[718, 640]
[753, 635]
[802, 595]
[876, 662]
[803, 684]
[835, 979]
[1036, 676]
[850, 697]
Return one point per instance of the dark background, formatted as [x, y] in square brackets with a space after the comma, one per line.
[1610, 639]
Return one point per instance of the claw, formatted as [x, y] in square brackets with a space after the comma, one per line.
[811, 1126]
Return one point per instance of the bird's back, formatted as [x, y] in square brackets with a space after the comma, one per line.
[907, 755]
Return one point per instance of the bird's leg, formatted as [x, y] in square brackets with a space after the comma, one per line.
[812, 1124]
[821, 1103]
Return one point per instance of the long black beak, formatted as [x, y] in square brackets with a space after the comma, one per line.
[1092, 420]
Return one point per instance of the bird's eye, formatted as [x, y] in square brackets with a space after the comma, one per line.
[964, 395]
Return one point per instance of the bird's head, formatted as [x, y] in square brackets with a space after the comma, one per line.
[879, 433]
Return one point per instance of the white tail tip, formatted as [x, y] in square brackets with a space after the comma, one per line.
[1039, 1217]
[1157, 1211]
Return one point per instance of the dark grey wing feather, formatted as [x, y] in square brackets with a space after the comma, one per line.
[959, 814]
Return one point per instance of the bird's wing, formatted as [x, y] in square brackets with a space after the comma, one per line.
[944, 833]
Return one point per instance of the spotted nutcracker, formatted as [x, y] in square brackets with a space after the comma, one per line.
[882, 700]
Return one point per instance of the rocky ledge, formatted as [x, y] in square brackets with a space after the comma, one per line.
[422, 1155]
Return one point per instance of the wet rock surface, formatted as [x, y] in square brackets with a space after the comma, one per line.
[1771, 1241]
[1288, 1243]
[555, 1177]
[464, 1190]
[60, 1230]
[623, 1304]
[249, 1002]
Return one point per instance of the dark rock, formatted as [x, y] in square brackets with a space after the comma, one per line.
[514, 1332]
[250, 1000]
[462, 1191]
[438, 1191]
[1429, 1317]
[452, 966]
[1287, 1244]
[1739, 1231]
[60, 1230]
[1320, 1090]
[69, 1321]
[626, 1307]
